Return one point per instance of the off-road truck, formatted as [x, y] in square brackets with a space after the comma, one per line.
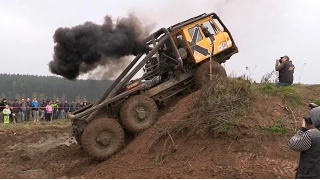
[182, 56]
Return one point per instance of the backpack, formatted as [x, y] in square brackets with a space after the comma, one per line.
[49, 109]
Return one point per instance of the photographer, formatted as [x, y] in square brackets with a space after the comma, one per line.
[286, 70]
[307, 142]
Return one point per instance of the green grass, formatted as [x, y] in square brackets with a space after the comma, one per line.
[317, 101]
[289, 93]
[269, 88]
[278, 128]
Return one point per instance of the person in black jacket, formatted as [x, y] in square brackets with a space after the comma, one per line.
[15, 108]
[286, 70]
[43, 109]
[307, 142]
[66, 108]
[72, 107]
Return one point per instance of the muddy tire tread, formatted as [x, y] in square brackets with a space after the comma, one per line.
[126, 116]
[90, 132]
[201, 75]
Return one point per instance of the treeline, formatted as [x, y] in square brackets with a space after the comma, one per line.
[15, 86]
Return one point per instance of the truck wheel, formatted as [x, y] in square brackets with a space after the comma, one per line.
[138, 113]
[202, 74]
[77, 126]
[102, 138]
[78, 139]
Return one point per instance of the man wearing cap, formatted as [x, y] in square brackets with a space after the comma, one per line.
[307, 142]
[286, 70]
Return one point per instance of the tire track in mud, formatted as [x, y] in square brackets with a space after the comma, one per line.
[281, 168]
[49, 152]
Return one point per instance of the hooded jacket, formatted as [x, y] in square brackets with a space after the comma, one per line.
[308, 143]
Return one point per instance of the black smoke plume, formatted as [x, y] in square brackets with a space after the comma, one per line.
[82, 48]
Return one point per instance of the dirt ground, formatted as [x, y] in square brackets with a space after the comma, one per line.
[51, 152]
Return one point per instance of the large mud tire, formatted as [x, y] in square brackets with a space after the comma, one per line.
[78, 139]
[102, 138]
[202, 74]
[138, 113]
[79, 125]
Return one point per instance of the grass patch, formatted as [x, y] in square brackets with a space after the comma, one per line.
[278, 128]
[269, 88]
[290, 93]
[317, 101]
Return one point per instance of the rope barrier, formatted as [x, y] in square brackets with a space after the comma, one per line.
[38, 107]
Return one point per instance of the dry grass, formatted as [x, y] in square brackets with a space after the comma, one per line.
[216, 109]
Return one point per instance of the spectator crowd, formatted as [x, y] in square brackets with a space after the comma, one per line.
[31, 110]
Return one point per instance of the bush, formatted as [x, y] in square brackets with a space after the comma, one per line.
[217, 107]
[278, 128]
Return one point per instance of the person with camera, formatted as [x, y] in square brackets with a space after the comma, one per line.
[307, 142]
[286, 70]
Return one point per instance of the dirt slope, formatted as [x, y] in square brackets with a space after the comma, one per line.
[249, 152]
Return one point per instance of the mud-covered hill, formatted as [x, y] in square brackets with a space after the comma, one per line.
[257, 147]
[248, 139]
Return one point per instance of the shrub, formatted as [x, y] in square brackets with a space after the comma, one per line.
[278, 128]
[218, 105]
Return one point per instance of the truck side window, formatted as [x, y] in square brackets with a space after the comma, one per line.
[195, 34]
[210, 27]
[180, 40]
[205, 31]
[217, 24]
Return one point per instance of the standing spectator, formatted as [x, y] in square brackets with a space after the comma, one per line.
[286, 70]
[54, 112]
[15, 111]
[60, 109]
[3, 104]
[78, 105]
[28, 109]
[72, 107]
[43, 109]
[84, 103]
[10, 107]
[49, 111]
[66, 108]
[23, 110]
[35, 108]
[6, 112]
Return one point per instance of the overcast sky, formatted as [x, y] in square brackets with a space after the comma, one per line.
[263, 30]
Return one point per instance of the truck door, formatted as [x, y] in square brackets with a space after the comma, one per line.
[224, 41]
[215, 37]
[197, 44]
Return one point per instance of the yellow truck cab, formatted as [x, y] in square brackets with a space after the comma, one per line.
[202, 36]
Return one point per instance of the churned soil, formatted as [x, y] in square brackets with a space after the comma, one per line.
[250, 152]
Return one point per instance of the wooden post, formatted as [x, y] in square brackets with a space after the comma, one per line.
[211, 62]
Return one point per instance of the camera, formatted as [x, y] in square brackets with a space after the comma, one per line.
[280, 60]
[307, 118]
